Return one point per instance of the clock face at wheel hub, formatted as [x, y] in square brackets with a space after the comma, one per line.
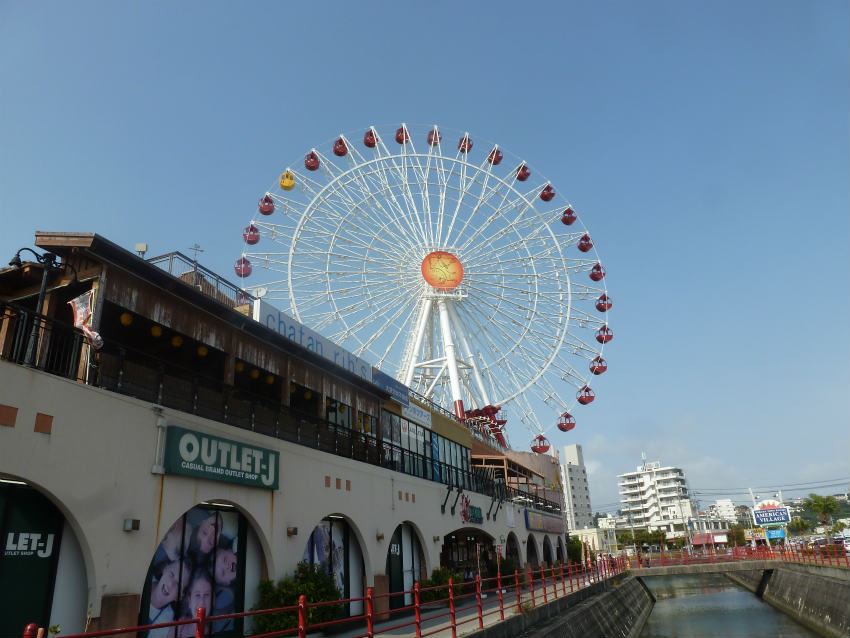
[442, 270]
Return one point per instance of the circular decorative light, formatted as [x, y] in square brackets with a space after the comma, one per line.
[255, 374]
[176, 341]
[442, 270]
[156, 331]
[240, 366]
[126, 319]
[203, 351]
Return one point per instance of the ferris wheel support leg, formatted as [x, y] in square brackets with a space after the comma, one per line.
[470, 358]
[421, 323]
[451, 357]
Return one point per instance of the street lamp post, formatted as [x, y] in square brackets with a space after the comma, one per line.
[48, 261]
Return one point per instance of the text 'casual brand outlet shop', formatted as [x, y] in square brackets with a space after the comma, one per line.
[227, 453]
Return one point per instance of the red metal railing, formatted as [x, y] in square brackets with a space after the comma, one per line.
[459, 604]
[456, 604]
[834, 555]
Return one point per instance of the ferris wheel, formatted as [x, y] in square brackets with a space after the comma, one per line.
[460, 272]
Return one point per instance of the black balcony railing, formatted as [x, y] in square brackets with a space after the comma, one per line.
[125, 370]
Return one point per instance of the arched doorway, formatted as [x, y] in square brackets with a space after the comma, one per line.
[469, 551]
[209, 557]
[42, 571]
[512, 552]
[547, 551]
[532, 559]
[333, 545]
[405, 563]
[559, 550]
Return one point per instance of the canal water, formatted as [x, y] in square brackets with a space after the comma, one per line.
[705, 605]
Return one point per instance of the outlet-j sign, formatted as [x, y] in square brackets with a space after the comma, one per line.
[201, 455]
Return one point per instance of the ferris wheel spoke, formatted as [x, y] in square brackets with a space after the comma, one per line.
[386, 324]
[480, 201]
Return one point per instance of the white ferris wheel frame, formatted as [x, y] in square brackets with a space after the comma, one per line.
[442, 353]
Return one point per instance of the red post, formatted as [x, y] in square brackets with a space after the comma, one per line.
[518, 594]
[452, 614]
[570, 575]
[30, 630]
[478, 601]
[543, 580]
[501, 597]
[417, 609]
[563, 583]
[302, 616]
[200, 622]
[531, 586]
[370, 613]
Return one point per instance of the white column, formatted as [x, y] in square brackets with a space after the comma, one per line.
[421, 322]
[451, 357]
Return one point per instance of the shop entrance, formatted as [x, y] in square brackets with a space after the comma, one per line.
[512, 550]
[36, 585]
[468, 552]
[404, 564]
[333, 546]
[547, 551]
[531, 549]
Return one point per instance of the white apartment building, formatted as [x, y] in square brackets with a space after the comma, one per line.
[723, 509]
[576, 489]
[655, 497]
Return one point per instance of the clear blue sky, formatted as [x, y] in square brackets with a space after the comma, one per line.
[705, 143]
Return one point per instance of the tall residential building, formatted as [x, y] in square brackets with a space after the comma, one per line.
[576, 490]
[655, 497]
[724, 509]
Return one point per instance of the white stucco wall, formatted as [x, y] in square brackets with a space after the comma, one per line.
[96, 467]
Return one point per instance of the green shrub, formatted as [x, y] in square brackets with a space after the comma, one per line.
[309, 580]
[439, 578]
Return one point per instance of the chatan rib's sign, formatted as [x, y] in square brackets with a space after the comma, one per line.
[201, 455]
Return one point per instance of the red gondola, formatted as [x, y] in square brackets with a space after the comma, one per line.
[585, 243]
[340, 148]
[464, 145]
[311, 161]
[585, 395]
[598, 365]
[569, 217]
[603, 304]
[540, 444]
[370, 139]
[597, 273]
[251, 234]
[242, 267]
[523, 173]
[434, 137]
[495, 157]
[266, 205]
[604, 334]
[401, 135]
[548, 193]
[567, 422]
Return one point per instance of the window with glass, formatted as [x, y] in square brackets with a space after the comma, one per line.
[337, 413]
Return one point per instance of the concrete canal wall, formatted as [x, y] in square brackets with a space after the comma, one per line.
[818, 597]
[601, 610]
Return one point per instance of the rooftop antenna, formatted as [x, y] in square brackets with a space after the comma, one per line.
[141, 249]
[196, 248]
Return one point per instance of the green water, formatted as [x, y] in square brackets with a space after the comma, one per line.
[712, 605]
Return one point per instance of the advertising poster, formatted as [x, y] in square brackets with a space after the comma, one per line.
[326, 548]
[200, 562]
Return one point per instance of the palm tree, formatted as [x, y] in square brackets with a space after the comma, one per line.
[822, 506]
[798, 525]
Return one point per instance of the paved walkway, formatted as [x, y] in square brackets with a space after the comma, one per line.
[466, 614]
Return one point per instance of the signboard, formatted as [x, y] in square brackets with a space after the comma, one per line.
[757, 534]
[416, 414]
[470, 513]
[296, 332]
[775, 533]
[30, 538]
[200, 455]
[539, 522]
[771, 516]
[397, 390]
